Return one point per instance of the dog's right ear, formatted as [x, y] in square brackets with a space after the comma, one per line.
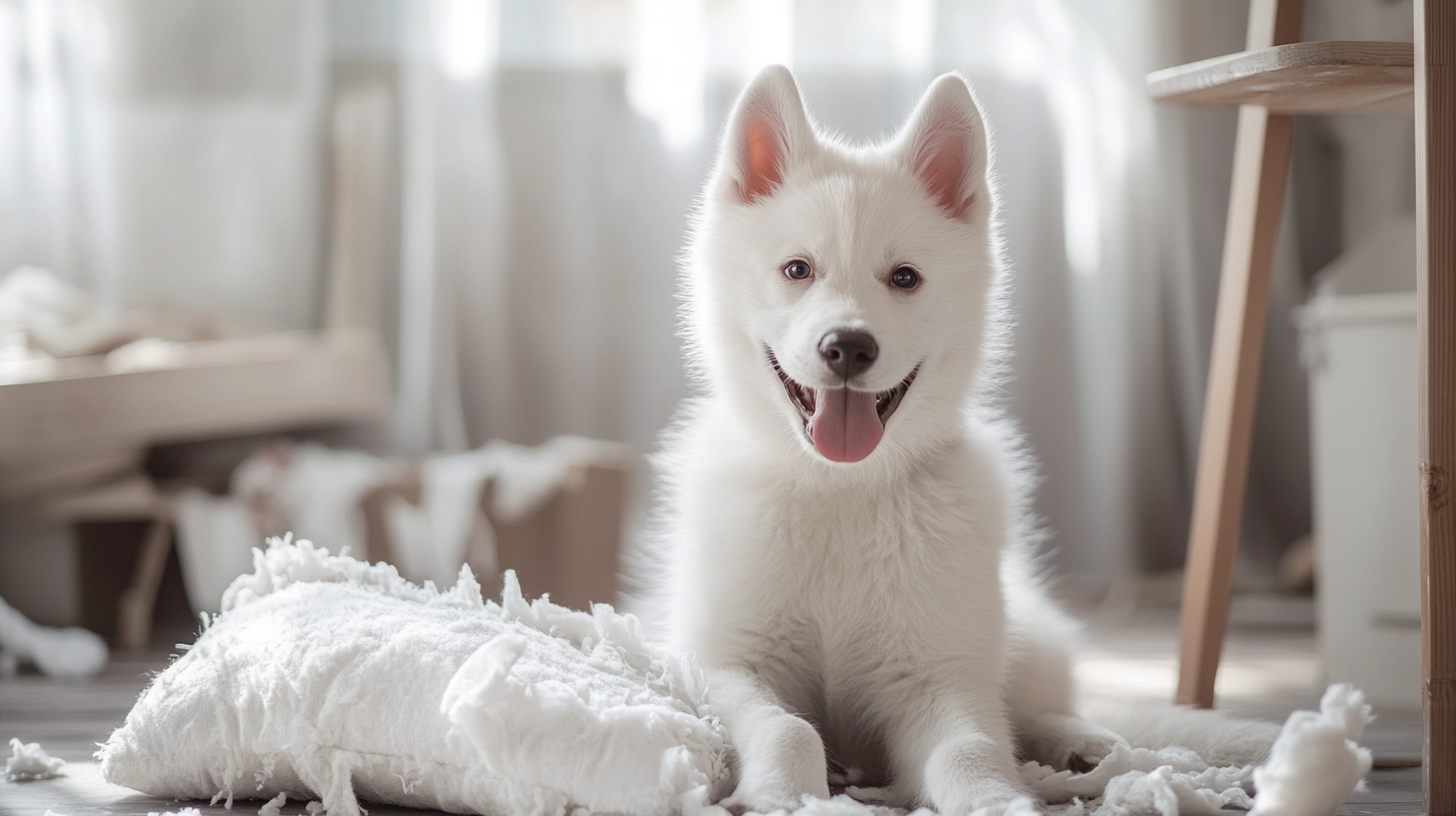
[767, 131]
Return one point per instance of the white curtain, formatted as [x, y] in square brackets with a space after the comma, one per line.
[49, 213]
[163, 149]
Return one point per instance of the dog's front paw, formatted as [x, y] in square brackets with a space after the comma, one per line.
[764, 800]
[969, 774]
[781, 761]
[1020, 806]
[996, 801]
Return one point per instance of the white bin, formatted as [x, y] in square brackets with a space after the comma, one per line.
[1360, 349]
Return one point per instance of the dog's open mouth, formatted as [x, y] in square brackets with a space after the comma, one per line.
[844, 425]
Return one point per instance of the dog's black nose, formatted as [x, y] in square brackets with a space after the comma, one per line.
[848, 352]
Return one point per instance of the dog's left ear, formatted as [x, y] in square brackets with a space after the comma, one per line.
[945, 145]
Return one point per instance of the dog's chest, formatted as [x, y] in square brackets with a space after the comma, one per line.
[850, 578]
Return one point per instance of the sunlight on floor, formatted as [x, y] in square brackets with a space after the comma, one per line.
[1135, 678]
[1270, 654]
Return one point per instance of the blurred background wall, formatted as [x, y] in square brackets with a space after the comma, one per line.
[504, 185]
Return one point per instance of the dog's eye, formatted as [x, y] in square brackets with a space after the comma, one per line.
[797, 270]
[904, 278]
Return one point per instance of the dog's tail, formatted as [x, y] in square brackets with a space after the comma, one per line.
[1216, 737]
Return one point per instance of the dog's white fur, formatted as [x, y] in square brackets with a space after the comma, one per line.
[883, 614]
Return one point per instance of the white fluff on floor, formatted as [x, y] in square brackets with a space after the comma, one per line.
[69, 652]
[29, 762]
[274, 806]
[326, 677]
[1315, 762]
[1170, 781]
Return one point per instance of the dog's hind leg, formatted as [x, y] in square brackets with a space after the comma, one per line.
[780, 755]
[1040, 689]
[1053, 731]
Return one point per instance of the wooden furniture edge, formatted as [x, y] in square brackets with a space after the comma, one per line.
[1305, 77]
[1435, 38]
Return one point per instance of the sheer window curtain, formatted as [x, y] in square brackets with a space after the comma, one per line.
[52, 143]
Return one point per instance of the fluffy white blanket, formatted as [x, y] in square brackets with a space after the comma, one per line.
[328, 678]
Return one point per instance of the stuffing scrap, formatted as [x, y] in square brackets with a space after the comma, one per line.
[30, 762]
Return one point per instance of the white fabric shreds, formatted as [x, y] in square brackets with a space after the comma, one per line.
[28, 761]
[215, 540]
[1142, 781]
[431, 540]
[317, 491]
[311, 489]
[329, 680]
[1315, 762]
[69, 652]
[302, 487]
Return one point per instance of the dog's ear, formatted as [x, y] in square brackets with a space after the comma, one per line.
[944, 144]
[767, 131]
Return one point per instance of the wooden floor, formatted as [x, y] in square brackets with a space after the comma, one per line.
[1271, 668]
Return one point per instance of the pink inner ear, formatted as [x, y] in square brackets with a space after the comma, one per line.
[942, 165]
[761, 158]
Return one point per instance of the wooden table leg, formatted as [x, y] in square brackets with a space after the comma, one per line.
[1435, 47]
[1261, 161]
[139, 601]
[1256, 201]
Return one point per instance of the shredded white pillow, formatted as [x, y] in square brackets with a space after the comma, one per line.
[28, 761]
[328, 678]
[325, 677]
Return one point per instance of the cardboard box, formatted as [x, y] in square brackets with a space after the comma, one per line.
[568, 548]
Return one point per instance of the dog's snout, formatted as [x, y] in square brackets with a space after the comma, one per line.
[848, 352]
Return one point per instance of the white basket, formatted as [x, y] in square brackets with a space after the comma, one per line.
[1361, 354]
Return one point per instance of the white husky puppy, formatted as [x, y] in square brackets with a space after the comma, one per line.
[846, 516]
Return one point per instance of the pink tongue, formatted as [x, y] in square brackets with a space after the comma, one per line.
[846, 425]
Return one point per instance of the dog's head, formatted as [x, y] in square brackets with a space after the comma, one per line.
[840, 295]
